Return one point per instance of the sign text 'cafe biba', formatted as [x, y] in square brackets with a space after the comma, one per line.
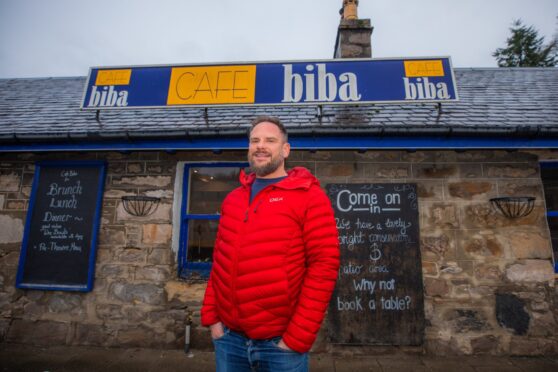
[325, 82]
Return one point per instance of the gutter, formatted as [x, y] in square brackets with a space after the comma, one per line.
[346, 141]
[127, 136]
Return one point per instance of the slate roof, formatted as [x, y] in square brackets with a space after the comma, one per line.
[493, 101]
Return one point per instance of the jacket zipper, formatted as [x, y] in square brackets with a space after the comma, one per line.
[235, 263]
[234, 310]
[257, 205]
[259, 197]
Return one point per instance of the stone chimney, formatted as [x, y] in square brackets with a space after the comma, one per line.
[353, 34]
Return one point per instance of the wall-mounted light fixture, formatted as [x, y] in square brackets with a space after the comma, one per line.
[514, 206]
[140, 206]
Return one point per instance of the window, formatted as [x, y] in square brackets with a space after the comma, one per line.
[549, 175]
[205, 187]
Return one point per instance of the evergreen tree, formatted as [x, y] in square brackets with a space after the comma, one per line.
[525, 49]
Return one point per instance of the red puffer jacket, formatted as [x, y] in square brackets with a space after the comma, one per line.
[275, 261]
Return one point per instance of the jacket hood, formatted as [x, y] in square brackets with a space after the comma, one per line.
[297, 177]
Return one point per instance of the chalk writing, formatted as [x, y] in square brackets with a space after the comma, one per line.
[59, 241]
[378, 297]
[350, 239]
[49, 216]
[56, 247]
[62, 196]
[67, 174]
[378, 269]
[349, 305]
[56, 190]
[387, 238]
[365, 285]
[375, 253]
[367, 225]
[343, 224]
[350, 269]
[398, 223]
[395, 303]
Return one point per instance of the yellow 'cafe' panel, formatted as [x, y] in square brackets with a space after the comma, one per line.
[424, 68]
[113, 77]
[212, 85]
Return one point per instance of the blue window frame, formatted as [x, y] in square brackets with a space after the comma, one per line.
[205, 185]
[549, 176]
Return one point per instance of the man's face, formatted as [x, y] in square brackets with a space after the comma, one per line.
[267, 151]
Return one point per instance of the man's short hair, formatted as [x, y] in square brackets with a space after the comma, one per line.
[270, 119]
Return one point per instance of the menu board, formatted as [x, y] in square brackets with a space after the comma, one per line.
[378, 298]
[59, 243]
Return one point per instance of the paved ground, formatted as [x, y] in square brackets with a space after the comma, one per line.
[25, 358]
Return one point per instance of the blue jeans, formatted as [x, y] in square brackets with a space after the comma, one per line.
[234, 352]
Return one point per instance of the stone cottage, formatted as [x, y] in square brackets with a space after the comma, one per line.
[488, 280]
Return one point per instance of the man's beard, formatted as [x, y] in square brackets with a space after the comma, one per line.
[267, 168]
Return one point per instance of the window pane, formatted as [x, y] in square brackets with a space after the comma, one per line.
[550, 183]
[549, 177]
[209, 186]
[551, 194]
[553, 225]
[201, 237]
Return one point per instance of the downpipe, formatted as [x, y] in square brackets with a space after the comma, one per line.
[187, 337]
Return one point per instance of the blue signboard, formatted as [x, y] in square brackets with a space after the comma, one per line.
[342, 81]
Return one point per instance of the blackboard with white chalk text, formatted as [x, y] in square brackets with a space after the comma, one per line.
[59, 244]
[378, 298]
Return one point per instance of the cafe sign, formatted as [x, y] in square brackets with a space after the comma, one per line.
[343, 81]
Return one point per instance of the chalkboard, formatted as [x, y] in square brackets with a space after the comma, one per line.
[59, 243]
[378, 299]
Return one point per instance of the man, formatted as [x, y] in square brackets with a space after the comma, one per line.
[275, 262]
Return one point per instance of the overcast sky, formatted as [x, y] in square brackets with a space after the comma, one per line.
[40, 38]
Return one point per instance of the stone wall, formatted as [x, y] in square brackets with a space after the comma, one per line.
[489, 283]
[130, 304]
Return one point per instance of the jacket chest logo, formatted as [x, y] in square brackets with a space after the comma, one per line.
[275, 200]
